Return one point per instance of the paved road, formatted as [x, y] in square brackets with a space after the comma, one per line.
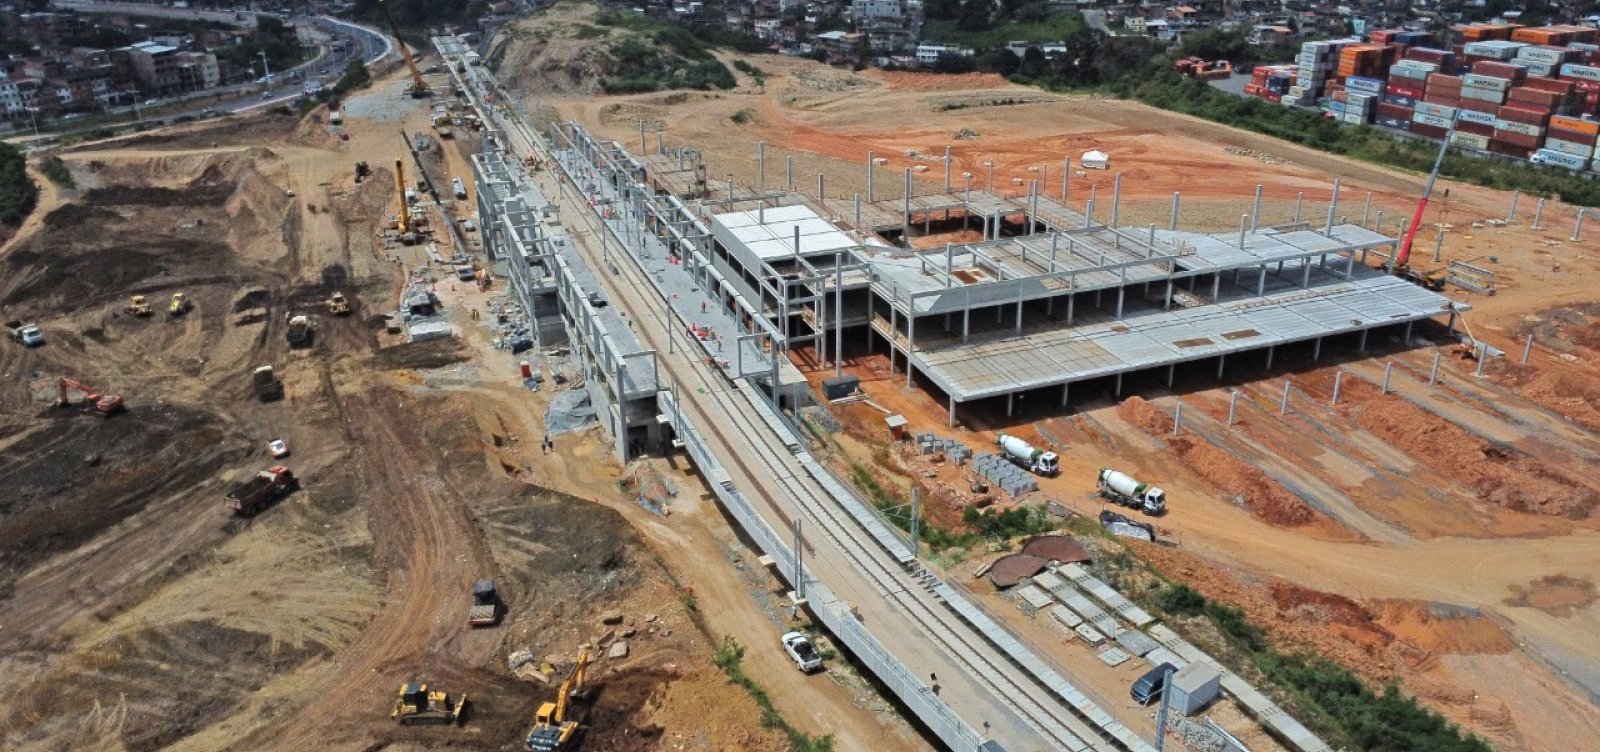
[978, 680]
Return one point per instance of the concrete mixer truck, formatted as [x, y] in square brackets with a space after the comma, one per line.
[1023, 454]
[1119, 487]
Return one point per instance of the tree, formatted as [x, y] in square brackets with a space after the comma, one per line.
[18, 193]
[999, 60]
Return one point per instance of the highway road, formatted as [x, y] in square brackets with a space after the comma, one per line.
[364, 43]
[906, 609]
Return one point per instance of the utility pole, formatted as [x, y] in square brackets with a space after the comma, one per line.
[266, 72]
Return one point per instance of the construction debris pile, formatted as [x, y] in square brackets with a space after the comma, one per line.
[1009, 478]
[508, 324]
[419, 309]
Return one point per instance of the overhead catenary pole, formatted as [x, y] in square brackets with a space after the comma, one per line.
[1116, 198]
[869, 177]
[838, 314]
[1173, 225]
[1066, 173]
[761, 165]
[799, 561]
[916, 509]
[1255, 211]
[788, 175]
[947, 162]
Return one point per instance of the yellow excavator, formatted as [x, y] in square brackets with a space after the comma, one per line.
[418, 706]
[418, 88]
[552, 731]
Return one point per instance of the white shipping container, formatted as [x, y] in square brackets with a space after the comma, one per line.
[1473, 116]
[1436, 110]
[1547, 70]
[1354, 118]
[1541, 55]
[1569, 147]
[1585, 72]
[1470, 140]
[1483, 95]
[1491, 83]
[1433, 120]
[1511, 126]
[1560, 160]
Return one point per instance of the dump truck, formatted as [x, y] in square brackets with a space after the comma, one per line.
[300, 331]
[417, 706]
[1022, 454]
[268, 387]
[28, 335]
[264, 487]
[1121, 488]
[485, 610]
[461, 188]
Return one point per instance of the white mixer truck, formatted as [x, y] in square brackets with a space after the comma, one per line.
[1119, 487]
[1023, 454]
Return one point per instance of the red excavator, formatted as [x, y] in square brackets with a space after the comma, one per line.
[104, 405]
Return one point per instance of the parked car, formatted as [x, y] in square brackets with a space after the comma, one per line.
[799, 648]
[278, 448]
[1147, 688]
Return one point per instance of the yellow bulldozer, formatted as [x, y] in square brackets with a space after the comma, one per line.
[180, 305]
[139, 306]
[418, 706]
[337, 305]
[552, 730]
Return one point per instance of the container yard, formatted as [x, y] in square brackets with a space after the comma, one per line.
[1499, 92]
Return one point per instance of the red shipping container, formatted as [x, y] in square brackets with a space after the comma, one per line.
[1428, 55]
[1585, 85]
[1500, 70]
[1478, 105]
[1539, 83]
[1431, 131]
[1519, 140]
[1479, 129]
[1510, 150]
[1443, 79]
[1576, 137]
[1443, 100]
[1401, 111]
[1524, 115]
[1404, 90]
[1534, 99]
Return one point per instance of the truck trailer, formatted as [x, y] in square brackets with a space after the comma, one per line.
[1119, 487]
[1021, 453]
[253, 495]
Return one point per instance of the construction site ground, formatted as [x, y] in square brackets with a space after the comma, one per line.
[139, 614]
[1442, 536]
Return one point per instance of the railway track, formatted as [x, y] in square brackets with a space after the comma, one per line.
[909, 591]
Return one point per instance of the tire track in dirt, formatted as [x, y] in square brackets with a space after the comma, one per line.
[426, 544]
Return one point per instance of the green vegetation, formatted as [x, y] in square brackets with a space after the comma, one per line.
[1052, 28]
[700, 39]
[730, 658]
[18, 193]
[752, 71]
[585, 31]
[355, 77]
[56, 170]
[270, 36]
[742, 116]
[671, 59]
[1389, 721]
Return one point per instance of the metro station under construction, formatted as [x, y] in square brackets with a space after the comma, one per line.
[1049, 297]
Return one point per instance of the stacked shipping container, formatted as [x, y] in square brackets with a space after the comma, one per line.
[1527, 92]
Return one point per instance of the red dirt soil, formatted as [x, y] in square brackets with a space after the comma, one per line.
[1264, 497]
[1502, 476]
